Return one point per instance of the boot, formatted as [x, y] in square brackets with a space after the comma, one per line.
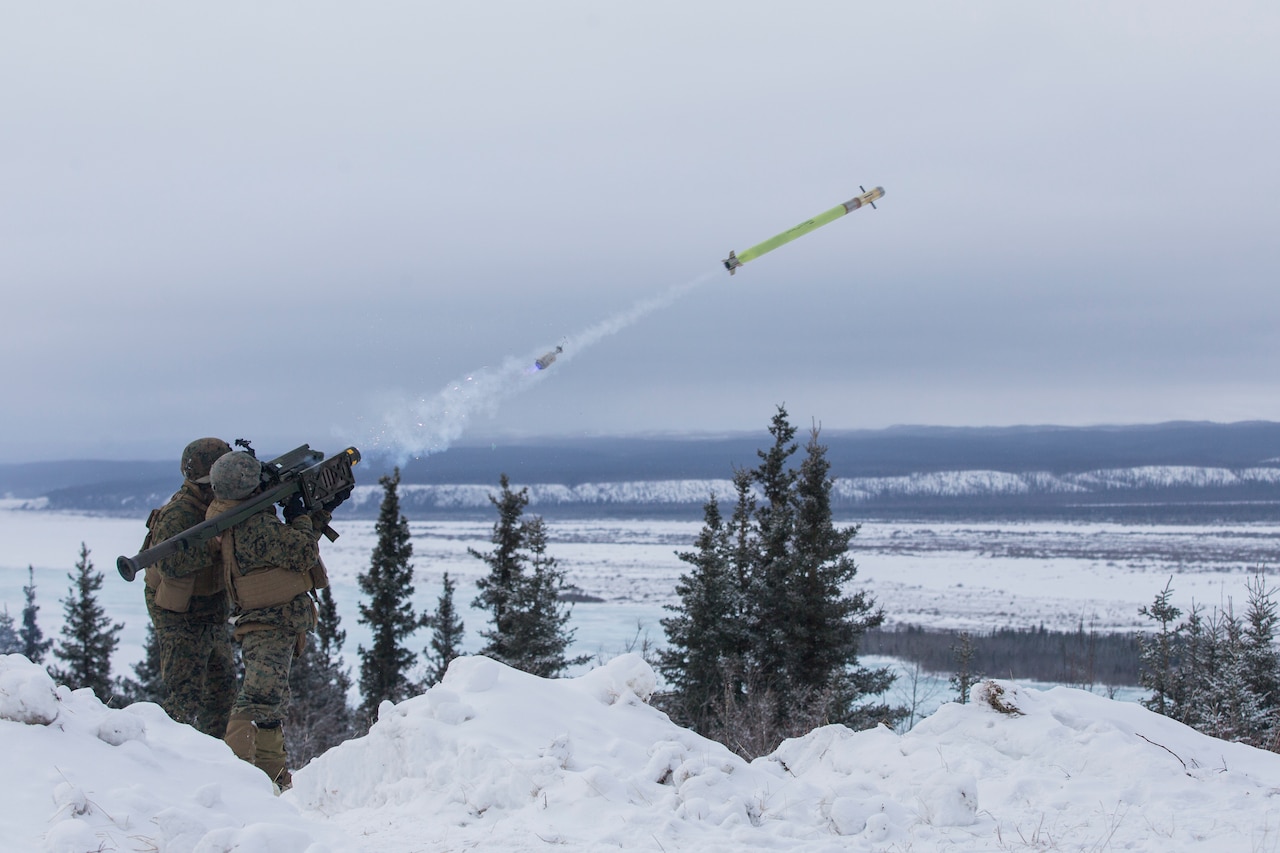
[270, 754]
[242, 736]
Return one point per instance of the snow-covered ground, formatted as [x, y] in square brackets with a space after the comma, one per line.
[493, 759]
[940, 575]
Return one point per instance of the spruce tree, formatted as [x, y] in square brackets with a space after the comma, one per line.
[820, 626]
[706, 643]
[34, 645]
[522, 591]
[147, 684]
[319, 715]
[1217, 674]
[543, 635]
[775, 516]
[965, 676]
[1231, 707]
[1157, 651]
[769, 582]
[744, 544]
[388, 585]
[10, 642]
[1262, 661]
[765, 641]
[446, 634]
[329, 634]
[1196, 651]
[498, 591]
[805, 631]
[88, 636]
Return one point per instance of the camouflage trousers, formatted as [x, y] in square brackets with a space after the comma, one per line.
[196, 663]
[267, 654]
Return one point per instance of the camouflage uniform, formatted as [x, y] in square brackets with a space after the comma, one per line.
[269, 566]
[188, 604]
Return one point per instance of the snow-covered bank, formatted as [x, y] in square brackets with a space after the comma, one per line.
[79, 777]
[495, 759]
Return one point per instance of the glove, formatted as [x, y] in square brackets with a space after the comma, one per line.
[337, 500]
[293, 508]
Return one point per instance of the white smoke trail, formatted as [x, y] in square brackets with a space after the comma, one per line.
[419, 426]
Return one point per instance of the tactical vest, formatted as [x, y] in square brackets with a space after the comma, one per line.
[175, 594]
[269, 586]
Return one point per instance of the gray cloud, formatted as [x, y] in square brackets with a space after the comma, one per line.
[272, 220]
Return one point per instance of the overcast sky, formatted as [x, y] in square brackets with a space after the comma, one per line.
[308, 221]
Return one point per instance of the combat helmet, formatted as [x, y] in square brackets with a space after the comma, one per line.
[235, 475]
[199, 456]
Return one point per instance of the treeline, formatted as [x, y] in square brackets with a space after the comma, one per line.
[1080, 658]
[1217, 671]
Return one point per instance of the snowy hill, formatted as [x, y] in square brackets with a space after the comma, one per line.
[1178, 471]
[1185, 492]
[1208, 484]
[497, 760]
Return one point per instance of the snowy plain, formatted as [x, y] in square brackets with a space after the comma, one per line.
[493, 759]
[942, 575]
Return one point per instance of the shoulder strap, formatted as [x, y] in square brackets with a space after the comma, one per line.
[151, 521]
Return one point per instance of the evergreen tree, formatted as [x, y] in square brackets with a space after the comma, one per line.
[543, 635]
[706, 643]
[743, 536]
[826, 626]
[319, 716]
[34, 645]
[1262, 661]
[1231, 707]
[499, 590]
[1157, 652]
[1217, 674]
[805, 630]
[388, 585]
[765, 641]
[446, 635]
[1196, 651]
[522, 592]
[964, 677]
[88, 636]
[770, 603]
[10, 642]
[329, 633]
[146, 685]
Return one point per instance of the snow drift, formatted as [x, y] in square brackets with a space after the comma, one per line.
[495, 759]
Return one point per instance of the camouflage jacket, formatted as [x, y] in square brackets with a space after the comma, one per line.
[196, 572]
[268, 565]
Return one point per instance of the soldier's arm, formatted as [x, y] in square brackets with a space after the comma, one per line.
[171, 522]
[266, 541]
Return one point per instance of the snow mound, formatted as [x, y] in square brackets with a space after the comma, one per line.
[26, 692]
[493, 758]
[86, 777]
[496, 759]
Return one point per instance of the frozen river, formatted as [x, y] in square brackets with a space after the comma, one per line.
[939, 575]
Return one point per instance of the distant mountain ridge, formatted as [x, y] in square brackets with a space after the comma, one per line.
[1172, 470]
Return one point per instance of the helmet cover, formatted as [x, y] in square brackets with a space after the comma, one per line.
[199, 456]
[235, 475]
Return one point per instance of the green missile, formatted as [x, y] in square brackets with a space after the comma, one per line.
[734, 261]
